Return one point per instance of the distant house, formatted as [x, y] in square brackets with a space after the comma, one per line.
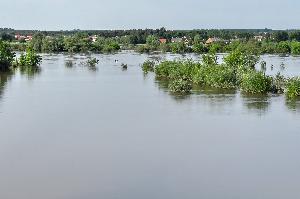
[20, 37]
[162, 41]
[212, 40]
[93, 38]
[258, 38]
[176, 40]
[23, 37]
[28, 38]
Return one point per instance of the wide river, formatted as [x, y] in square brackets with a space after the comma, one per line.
[107, 133]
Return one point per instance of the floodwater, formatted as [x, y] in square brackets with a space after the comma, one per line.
[89, 133]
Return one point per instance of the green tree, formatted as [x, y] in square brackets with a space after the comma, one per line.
[197, 39]
[295, 36]
[6, 37]
[37, 42]
[152, 41]
[6, 56]
[281, 36]
[199, 48]
[283, 47]
[30, 58]
[295, 48]
[178, 47]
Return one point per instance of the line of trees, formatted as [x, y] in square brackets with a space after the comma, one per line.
[108, 41]
[80, 42]
[139, 36]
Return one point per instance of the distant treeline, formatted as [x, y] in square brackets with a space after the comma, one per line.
[138, 36]
[258, 41]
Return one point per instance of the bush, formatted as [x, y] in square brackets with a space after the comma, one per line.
[238, 59]
[111, 47]
[30, 58]
[293, 88]
[209, 59]
[175, 70]
[179, 47]
[6, 56]
[199, 48]
[148, 66]
[283, 47]
[143, 49]
[255, 82]
[219, 76]
[92, 62]
[164, 47]
[278, 83]
[69, 63]
[180, 86]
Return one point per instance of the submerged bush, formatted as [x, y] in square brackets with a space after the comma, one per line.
[255, 82]
[180, 86]
[238, 71]
[176, 70]
[148, 66]
[293, 88]
[92, 62]
[209, 59]
[143, 48]
[69, 63]
[219, 76]
[29, 59]
[241, 60]
[278, 83]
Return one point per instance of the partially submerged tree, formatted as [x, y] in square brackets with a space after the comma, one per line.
[6, 56]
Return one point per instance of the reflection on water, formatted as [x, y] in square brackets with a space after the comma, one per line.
[256, 103]
[293, 105]
[30, 72]
[4, 78]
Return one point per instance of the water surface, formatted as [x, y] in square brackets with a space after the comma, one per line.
[79, 132]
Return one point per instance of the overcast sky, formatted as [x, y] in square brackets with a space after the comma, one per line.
[128, 14]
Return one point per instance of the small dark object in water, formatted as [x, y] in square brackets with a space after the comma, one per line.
[116, 60]
[282, 67]
[124, 66]
[272, 67]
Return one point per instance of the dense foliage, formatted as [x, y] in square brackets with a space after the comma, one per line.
[6, 56]
[255, 82]
[237, 71]
[29, 59]
[148, 66]
[293, 88]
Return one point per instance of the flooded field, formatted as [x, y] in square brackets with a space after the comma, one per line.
[73, 132]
